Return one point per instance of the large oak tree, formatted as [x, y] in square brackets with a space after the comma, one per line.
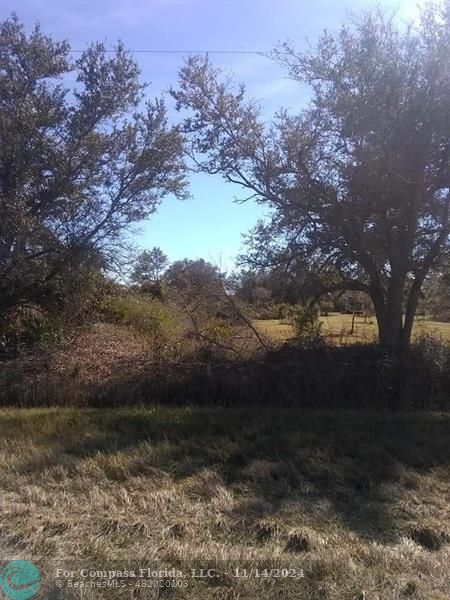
[82, 157]
[359, 180]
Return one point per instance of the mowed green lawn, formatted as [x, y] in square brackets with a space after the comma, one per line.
[337, 329]
[357, 504]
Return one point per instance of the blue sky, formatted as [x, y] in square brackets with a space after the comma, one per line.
[209, 225]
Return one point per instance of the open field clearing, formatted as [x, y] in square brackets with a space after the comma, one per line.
[336, 329]
[358, 502]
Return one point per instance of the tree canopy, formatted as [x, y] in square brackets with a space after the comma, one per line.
[150, 266]
[82, 157]
[192, 276]
[359, 180]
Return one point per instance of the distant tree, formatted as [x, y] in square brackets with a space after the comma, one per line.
[245, 285]
[293, 281]
[205, 296]
[193, 277]
[150, 266]
[78, 165]
[360, 179]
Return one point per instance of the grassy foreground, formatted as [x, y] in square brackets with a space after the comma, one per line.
[359, 502]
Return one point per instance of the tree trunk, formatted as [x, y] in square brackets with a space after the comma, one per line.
[389, 316]
[394, 331]
[410, 313]
[390, 334]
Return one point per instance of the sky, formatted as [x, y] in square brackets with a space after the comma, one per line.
[209, 225]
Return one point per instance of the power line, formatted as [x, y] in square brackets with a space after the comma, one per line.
[258, 52]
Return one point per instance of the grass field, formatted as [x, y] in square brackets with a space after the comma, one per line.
[358, 502]
[336, 329]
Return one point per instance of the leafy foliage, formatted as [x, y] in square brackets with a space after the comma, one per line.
[148, 316]
[150, 266]
[359, 181]
[78, 165]
[307, 325]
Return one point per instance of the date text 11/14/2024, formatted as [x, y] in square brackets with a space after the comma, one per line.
[248, 573]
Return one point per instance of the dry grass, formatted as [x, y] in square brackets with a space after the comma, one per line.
[359, 502]
[100, 351]
[336, 329]
[95, 356]
[112, 359]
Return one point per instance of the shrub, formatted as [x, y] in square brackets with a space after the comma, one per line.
[31, 327]
[431, 353]
[74, 298]
[307, 325]
[147, 315]
[45, 332]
